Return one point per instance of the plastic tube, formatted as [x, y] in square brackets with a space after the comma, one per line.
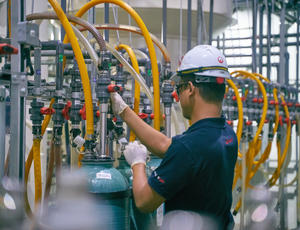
[75, 20]
[87, 46]
[136, 30]
[82, 68]
[136, 84]
[240, 111]
[49, 173]
[29, 160]
[136, 76]
[276, 174]
[37, 172]
[141, 24]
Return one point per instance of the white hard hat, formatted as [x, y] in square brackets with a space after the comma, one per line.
[204, 61]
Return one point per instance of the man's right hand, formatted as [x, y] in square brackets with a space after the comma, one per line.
[118, 104]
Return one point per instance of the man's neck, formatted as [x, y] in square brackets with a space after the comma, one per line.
[206, 111]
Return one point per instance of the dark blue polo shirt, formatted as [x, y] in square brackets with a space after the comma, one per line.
[197, 171]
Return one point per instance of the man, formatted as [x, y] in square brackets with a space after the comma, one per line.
[197, 169]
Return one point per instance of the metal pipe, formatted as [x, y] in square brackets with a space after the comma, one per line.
[2, 130]
[189, 25]
[201, 31]
[211, 21]
[265, 36]
[247, 55]
[164, 29]
[261, 21]
[168, 121]
[59, 66]
[254, 33]
[103, 108]
[249, 65]
[287, 65]
[106, 20]
[17, 112]
[37, 72]
[281, 78]
[297, 50]
[64, 8]
[249, 47]
[269, 32]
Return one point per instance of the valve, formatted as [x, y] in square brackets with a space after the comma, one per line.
[47, 111]
[255, 100]
[8, 49]
[143, 115]
[175, 96]
[248, 123]
[230, 123]
[272, 102]
[290, 104]
[114, 88]
[260, 100]
[65, 111]
[287, 120]
[152, 116]
[82, 112]
[234, 98]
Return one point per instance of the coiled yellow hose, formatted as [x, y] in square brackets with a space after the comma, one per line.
[135, 65]
[81, 65]
[149, 43]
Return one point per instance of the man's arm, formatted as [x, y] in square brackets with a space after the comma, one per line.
[146, 199]
[156, 142]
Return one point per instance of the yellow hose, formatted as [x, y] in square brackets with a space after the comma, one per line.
[276, 174]
[37, 172]
[136, 84]
[149, 43]
[240, 111]
[29, 160]
[81, 65]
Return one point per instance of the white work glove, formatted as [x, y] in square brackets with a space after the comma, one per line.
[118, 105]
[135, 153]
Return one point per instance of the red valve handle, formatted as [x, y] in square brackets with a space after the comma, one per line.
[143, 115]
[294, 122]
[152, 116]
[8, 49]
[248, 123]
[230, 123]
[255, 100]
[114, 88]
[290, 104]
[82, 112]
[266, 121]
[280, 120]
[260, 100]
[65, 111]
[234, 98]
[283, 103]
[286, 120]
[243, 98]
[47, 111]
[114, 119]
[175, 96]
[98, 113]
[297, 105]
[272, 102]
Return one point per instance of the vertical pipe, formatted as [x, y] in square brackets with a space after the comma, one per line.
[287, 65]
[168, 121]
[261, 34]
[59, 66]
[201, 30]
[2, 130]
[189, 25]
[218, 42]
[211, 21]
[269, 31]
[17, 93]
[223, 44]
[254, 33]
[64, 8]
[106, 20]
[103, 108]
[282, 46]
[164, 16]
[37, 68]
[297, 127]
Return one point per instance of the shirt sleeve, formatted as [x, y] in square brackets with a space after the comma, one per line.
[174, 172]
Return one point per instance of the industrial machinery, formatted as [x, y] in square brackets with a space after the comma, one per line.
[71, 115]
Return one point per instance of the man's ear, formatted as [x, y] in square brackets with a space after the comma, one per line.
[192, 88]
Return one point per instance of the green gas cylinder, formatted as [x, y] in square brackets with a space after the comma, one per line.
[111, 190]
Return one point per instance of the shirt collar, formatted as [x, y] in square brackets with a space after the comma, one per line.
[216, 122]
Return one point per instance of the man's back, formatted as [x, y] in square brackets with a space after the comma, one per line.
[197, 171]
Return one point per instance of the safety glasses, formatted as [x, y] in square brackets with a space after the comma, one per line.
[180, 86]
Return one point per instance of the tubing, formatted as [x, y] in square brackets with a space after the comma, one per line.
[87, 46]
[82, 68]
[29, 160]
[136, 84]
[240, 111]
[276, 174]
[49, 173]
[136, 76]
[136, 30]
[37, 172]
[76, 20]
[139, 21]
